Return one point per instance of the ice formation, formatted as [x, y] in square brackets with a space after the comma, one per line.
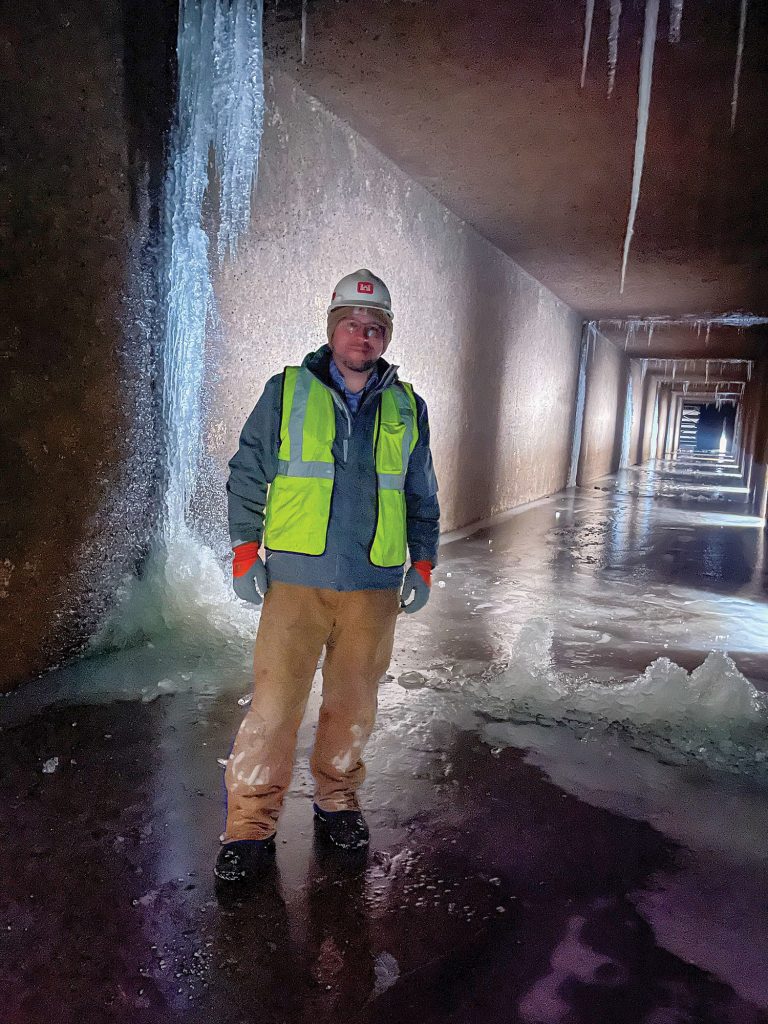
[643, 106]
[588, 16]
[713, 712]
[675, 20]
[739, 59]
[220, 109]
[220, 112]
[613, 43]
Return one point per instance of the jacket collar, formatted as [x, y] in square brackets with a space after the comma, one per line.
[318, 363]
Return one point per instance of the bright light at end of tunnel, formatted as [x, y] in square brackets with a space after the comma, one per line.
[723, 441]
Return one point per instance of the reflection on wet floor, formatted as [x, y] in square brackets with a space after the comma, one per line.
[521, 869]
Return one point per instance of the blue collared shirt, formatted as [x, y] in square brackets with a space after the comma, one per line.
[352, 398]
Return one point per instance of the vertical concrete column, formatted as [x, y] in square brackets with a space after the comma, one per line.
[650, 395]
[759, 443]
[670, 425]
[677, 424]
[737, 438]
[750, 416]
[661, 438]
[638, 412]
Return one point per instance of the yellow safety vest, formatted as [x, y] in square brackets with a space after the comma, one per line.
[299, 502]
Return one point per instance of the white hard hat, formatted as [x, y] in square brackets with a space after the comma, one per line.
[362, 289]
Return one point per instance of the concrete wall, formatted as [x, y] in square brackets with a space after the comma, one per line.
[493, 353]
[607, 375]
[88, 90]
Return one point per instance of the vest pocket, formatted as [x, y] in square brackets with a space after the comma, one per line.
[389, 453]
[389, 546]
[297, 514]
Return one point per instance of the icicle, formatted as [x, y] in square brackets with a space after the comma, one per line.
[706, 336]
[674, 369]
[650, 334]
[643, 370]
[706, 371]
[588, 15]
[749, 369]
[643, 105]
[613, 43]
[739, 57]
[675, 20]
[304, 13]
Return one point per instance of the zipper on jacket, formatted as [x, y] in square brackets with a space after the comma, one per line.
[341, 404]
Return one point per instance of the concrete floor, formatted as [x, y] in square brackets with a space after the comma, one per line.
[527, 864]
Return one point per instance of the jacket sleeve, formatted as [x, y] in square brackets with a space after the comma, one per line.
[254, 466]
[422, 508]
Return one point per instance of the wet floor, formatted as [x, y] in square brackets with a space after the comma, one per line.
[536, 855]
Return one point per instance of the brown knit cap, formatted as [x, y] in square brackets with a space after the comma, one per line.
[337, 315]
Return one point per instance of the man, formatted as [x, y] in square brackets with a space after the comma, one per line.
[334, 478]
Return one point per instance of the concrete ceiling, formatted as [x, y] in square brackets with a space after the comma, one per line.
[685, 340]
[479, 100]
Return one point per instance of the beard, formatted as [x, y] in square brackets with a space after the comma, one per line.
[359, 365]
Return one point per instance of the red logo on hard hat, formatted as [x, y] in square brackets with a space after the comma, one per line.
[365, 287]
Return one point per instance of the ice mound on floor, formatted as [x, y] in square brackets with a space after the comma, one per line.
[184, 595]
[713, 713]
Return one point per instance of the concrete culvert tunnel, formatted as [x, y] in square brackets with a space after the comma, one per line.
[563, 211]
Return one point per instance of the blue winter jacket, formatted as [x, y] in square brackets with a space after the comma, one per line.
[345, 564]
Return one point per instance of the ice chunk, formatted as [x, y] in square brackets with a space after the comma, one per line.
[387, 971]
[412, 680]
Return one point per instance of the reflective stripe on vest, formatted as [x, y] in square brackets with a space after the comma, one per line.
[299, 502]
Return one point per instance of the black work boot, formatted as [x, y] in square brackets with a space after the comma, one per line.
[243, 862]
[345, 829]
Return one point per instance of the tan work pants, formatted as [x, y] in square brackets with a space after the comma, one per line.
[357, 629]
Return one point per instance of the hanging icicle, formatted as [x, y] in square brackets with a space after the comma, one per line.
[613, 43]
[304, 19]
[588, 16]
[643, 106]
[739, 58]
[675, 20]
